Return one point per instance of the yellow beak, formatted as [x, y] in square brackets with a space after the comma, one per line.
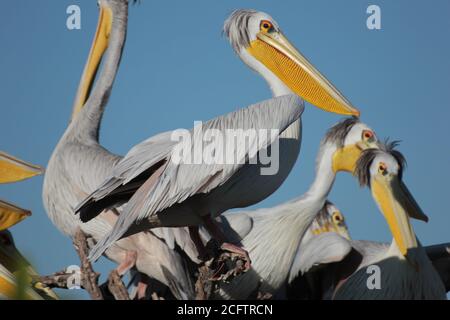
[397, 204]
[298, 74]
[344, 159]
[13, 169]
[99, 46]
[11, 214]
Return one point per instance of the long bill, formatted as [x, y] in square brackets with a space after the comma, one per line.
[13, 169]
[274, 51]
[397, 205]
[99, 46]
[11, 215]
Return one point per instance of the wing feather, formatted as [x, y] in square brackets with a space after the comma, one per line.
[179, 181]
[321, 249]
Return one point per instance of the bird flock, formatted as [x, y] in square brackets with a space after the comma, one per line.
[170, 215]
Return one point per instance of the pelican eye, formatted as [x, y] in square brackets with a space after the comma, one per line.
[266, 26]
[382, 168]
[368, 135]
[337, 218]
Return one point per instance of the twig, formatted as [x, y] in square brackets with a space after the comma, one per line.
[116, 286]
[203, 285]
[91, 278]
[264, 296]
[56, 280]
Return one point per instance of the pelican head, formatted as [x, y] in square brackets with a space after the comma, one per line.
[330, 219]
[258, 40]
[346, 140]
[337, 220]
[381, 170]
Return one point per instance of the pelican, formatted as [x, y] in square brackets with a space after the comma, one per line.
[79, 162]
[325, 253]
[311, 274]
[164, 193]
[273, 236]
[329, 219]
[405, 270]
[12, 264]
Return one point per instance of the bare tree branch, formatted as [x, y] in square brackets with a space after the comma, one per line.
[116, 286]
[91, 278]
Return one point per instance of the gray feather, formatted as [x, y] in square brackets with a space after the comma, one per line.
[324, 248]
[178, 182]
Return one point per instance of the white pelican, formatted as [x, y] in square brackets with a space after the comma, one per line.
[273, 236]
[406, 272]
[329, 219]
[164, 193]
[79, 163]
[326, 252]
[312, 271]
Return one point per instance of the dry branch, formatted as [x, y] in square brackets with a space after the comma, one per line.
[91, 278]
[56, 280]
[116, 286]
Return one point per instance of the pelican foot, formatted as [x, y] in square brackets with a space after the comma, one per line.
[240, 252]
[115, 284]
[227, 261]
[128, 263]
[142, 291]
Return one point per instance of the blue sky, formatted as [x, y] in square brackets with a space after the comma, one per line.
[177, 68]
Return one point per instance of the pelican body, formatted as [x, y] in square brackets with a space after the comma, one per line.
[327, 254]
[273, 236]
[163, 194]
[79, 163]
[406, 271]
[403, 268]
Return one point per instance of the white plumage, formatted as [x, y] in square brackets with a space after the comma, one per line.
[79, 164]
[162, 193]
[370, 270]
[272, 236]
